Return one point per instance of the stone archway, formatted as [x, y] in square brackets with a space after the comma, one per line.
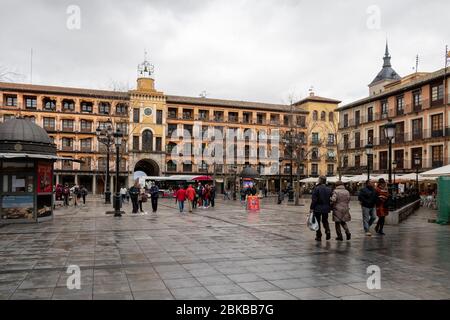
[149, 166]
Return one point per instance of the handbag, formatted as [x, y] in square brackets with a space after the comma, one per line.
[312, 223]
[144, 197]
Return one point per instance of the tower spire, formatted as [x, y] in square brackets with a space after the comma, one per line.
[387, 56]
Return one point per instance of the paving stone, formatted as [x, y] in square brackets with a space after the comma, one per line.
[274, 295]
[225, 289]
[309, 293]
[258, 286]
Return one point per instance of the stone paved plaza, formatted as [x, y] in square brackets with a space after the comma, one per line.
[221, 253]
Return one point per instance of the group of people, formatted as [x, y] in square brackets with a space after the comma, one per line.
[139, 195]
[373, 200]
[198, 197]
[75, 193]
[247, 191]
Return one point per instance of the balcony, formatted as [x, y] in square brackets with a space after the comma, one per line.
[86, 129]
[417, 108]
[315, 142]
[67, 166]
[218, 119]
[67, 148]
[67, 129]
[50, 128]
[331, 159]
[85, 166]
[435, 133]
[85, 149]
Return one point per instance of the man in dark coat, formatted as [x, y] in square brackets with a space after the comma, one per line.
[154, 194]
[368, 199]
[321, 207]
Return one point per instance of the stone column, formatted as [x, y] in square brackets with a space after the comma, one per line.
[94, 184]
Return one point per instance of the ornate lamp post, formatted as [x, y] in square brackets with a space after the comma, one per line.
[417, 161]
[105, 136]
[389, 133]
[118, 136]
[369, 153]
[394, 166]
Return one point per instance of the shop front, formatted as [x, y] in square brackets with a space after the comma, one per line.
[26, 172]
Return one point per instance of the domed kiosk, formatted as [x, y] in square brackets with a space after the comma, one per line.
[26, 172]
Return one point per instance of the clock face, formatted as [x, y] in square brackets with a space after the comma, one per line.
[148, 111]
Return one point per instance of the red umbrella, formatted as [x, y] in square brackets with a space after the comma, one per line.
[203, 178]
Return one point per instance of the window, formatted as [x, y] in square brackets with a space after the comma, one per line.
[30, 102]
[30, 118]
[159, 117]
[104, 107]
[147, 141]
[171, 147]
[171, 129]
[384, 109]
[121, 108]
[383, 139]
[357, 139]
[67, 143]
[158, 144]
[400, 105]
[171, 166]
[123, 127]
[86, 144]
[172, 113]
[331, 116]
[399, 132]
[232, 116]
[136, 143]
[67, 125]
[315, 154]
[48, 104]
[370, 136]
[323, 116]
[383, 160]
[136, 115]
[218, 115]
[398, 158]
[86, 126]
[275, 119]
[315, 138]
[68, 105]
[437, 92]
[437, 125]
[345, 161]
[301, 121]
[437, 154]
[187, 167]
[370, 114]
[330, 169]
[203, 114]
[357, 117]
[357, 161]
[345, 120]
[286, 120]
[331, 155]
[188, 114]
[260, 117]
[314, 169]
[203, 166]
[417, 100]
[11, 100]
[49, 123]
[315, 116]
[417, 129]
[188, 131]
[416, 152]
[330, 140]
[346, 144]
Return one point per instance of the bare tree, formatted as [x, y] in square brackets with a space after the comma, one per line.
[297, 147]
[7, 75]
[342, 144]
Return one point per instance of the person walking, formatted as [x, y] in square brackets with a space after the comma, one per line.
[368, 199]
[199, 191]
[190, 196]
[382, 208]
[66, 194]
[340, 202]
[320, 207]
[180, 196]
[206, 196]
[84, 193]
[134, 195]
[142, 198]
[76, 195]
[154, 195]
[212, 195]
[123, 193]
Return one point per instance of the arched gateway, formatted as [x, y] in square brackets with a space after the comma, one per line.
[148, 166]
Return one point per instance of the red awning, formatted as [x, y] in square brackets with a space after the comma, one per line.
[202, 178]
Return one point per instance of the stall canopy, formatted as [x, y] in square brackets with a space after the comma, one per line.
[441, 171]
[412, 176]
[35, 156]
[202, 178]
[309, 180]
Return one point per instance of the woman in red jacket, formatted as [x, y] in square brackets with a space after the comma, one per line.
[382, 209]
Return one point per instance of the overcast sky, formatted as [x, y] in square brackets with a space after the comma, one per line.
[259, 50]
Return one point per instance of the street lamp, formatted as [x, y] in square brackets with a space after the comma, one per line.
[118, 136]
[369, 153]
[280, 161]
[105, 136]
[389, 133]
[417, 161]
[394, 166]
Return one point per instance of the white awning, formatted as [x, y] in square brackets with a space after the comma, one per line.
[35, 156]
[441, 171]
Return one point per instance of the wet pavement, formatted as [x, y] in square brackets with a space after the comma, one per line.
[220, 253]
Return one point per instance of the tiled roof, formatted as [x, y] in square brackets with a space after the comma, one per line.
[62, 90]
[397, 89]
[317, 99]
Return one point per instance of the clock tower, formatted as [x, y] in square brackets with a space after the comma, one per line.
[147, 125]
